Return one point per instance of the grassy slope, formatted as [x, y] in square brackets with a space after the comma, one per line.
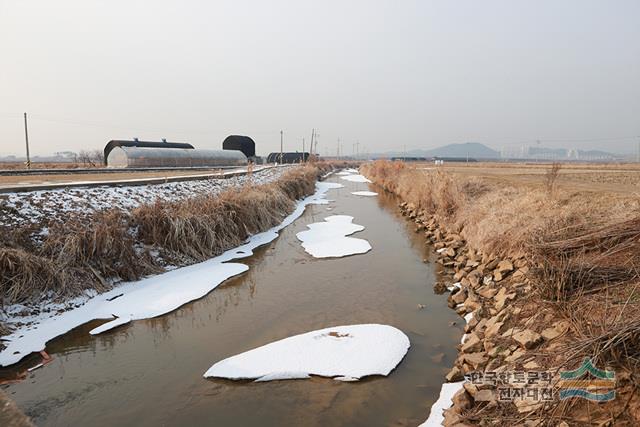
[83, 253]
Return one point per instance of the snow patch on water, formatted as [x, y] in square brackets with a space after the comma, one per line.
[364, 193]
[355, 178]
[346, 353]
[143, 299]
[328, 239]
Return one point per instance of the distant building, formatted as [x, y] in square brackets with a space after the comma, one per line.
[283, 158]
[153, 154]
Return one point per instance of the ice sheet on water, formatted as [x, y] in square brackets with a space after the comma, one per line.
[355, 178]
[328, 239]
[346, 353]
[364, 193]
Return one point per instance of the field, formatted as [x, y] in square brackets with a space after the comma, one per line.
[604, 177]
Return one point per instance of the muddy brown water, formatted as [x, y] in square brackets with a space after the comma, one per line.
[149, 373]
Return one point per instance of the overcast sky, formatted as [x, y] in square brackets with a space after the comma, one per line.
[388, 74]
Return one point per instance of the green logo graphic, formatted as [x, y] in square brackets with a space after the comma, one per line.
[600, 389]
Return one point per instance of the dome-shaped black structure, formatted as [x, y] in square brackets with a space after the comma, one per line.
[240, 143]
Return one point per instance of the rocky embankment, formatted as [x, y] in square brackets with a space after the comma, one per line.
[508, 333]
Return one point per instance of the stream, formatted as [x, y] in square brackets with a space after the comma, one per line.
[149, 372]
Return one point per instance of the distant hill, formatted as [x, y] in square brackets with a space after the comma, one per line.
[472, 149]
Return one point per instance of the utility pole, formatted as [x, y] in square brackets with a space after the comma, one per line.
[303, 150]
[357, 148]
[313, 132]
[26, 139]
[281, 138]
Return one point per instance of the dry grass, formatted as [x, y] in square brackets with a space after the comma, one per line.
[24, 276]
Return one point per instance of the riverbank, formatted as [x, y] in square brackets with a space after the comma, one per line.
[546, 278]
[66, 254]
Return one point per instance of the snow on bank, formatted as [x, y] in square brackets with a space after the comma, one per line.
[328, 239]
[364, 193]
[36, 206]
[150, 297]
[448, 390]
[345, 353]
[355, 178]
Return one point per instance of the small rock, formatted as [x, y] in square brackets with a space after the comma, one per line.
[474, 280]
[550, 333]
[485, 396]
[504, 267]
[501, 298]
[454, 375]
[493, 330]
[515, 355]
[525, 406]
[459, 275]
[472, 343]
[487, 292]
[491, 265]
[472, 389]
[476, 359]
[527, 338]
[472, 303]
[460, 296]
[451, 418]
[421, 306]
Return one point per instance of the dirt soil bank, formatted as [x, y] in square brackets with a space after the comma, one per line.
[547, 277]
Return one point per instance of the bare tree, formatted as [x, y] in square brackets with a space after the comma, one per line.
[85, 157]
[98, 157]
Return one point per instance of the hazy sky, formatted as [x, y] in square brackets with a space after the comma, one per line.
[386, 73]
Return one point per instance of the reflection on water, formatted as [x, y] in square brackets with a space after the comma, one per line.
[150, 372]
